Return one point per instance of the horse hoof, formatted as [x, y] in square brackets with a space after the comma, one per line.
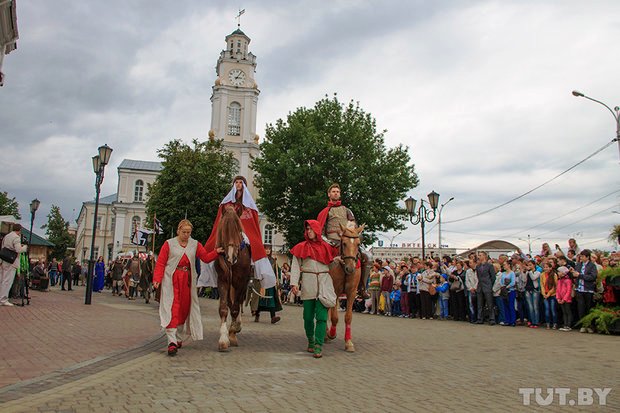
[223, 345]
[233, 341]
[349, 347]
[330, 337]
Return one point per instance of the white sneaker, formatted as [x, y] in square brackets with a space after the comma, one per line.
[582, 330]
[8, 304]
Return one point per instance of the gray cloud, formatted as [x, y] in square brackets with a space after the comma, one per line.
[479, 92]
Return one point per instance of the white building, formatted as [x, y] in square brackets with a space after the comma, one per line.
[233, 120]
[8, 31]
[408, 250]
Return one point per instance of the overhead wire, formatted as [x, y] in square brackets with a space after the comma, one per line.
[533, 189]
[576, 222]
[561, 216]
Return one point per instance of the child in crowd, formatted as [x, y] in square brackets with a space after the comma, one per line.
[443, 290]
[548, 285]
[395, 298]
[563, 294]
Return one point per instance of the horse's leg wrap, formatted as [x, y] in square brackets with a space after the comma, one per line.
[347, 332]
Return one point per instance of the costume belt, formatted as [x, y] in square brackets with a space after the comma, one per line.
[314, 272]
[185, 268]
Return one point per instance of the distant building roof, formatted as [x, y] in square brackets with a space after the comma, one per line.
[36, 240]
[141, 165]
[106, 200]
[494, 245]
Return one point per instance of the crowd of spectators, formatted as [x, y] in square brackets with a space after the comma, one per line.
[551, 290]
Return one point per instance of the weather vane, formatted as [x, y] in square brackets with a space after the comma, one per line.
[239, 17]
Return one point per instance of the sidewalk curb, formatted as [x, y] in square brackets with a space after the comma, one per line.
[80, 370]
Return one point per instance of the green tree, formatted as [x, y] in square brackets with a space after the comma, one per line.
[193, 182]
[57, 231]
[614, 234]
[329, 143]
[9, 206]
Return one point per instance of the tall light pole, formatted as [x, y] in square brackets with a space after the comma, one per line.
[99, 163]
[34, 205]
[615, 113]
[439, 223]
[423, 214]
[529, 242]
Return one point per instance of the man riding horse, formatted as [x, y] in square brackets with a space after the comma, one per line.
[331, 218]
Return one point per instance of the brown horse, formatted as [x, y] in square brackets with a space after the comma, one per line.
[346, 278]
[233, 275]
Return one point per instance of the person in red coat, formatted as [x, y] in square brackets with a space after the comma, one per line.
[175, 271]
[241, 200]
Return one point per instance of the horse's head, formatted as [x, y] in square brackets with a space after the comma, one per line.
[349, 246]
[229, 234]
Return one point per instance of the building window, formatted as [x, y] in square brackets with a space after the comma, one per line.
[139, 191]
[99, 221]
[112, 223]
[268, 234]
[96, 252]
[234, 119]
[135, 223]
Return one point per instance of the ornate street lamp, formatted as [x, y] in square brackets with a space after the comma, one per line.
[99, 163]
[615, 113]
[34, 205]
[422, 214]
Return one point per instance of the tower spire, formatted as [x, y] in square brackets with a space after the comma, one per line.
[241, 11]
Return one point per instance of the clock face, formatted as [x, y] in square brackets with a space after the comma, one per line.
[236, 77]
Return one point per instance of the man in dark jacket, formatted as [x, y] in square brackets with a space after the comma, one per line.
[486, 278]
[66, 272]
[585, 274]
[76, 272]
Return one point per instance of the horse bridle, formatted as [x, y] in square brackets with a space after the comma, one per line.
[345, 257]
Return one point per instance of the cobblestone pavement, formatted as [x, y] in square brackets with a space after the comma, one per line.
[400, 365]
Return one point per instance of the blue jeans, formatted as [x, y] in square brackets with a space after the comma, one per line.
[52, 275]
[500, 306]
[443, 303]
[550, 310]
[531, 299]
[471, 299]
[509, 308]
[395, 308]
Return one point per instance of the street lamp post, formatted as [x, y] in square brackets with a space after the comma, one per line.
[34, 205]
[422, 214]
[529, 242]
[99, 163]
[439, 223]
[615, 113]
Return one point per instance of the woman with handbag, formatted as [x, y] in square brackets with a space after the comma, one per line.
[11, 247]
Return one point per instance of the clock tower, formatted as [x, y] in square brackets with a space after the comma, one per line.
[234, 103]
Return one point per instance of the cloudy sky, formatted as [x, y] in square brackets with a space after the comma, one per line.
[480, 92]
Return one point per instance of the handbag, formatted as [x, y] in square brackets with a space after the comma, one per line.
[431, 289]
[8, 255]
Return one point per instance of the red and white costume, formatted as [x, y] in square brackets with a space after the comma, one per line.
[178, 306]
[248, 211]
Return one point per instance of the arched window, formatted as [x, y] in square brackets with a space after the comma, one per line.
[138, 191]
[135, 223]
[234, 119]
[268, 234]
